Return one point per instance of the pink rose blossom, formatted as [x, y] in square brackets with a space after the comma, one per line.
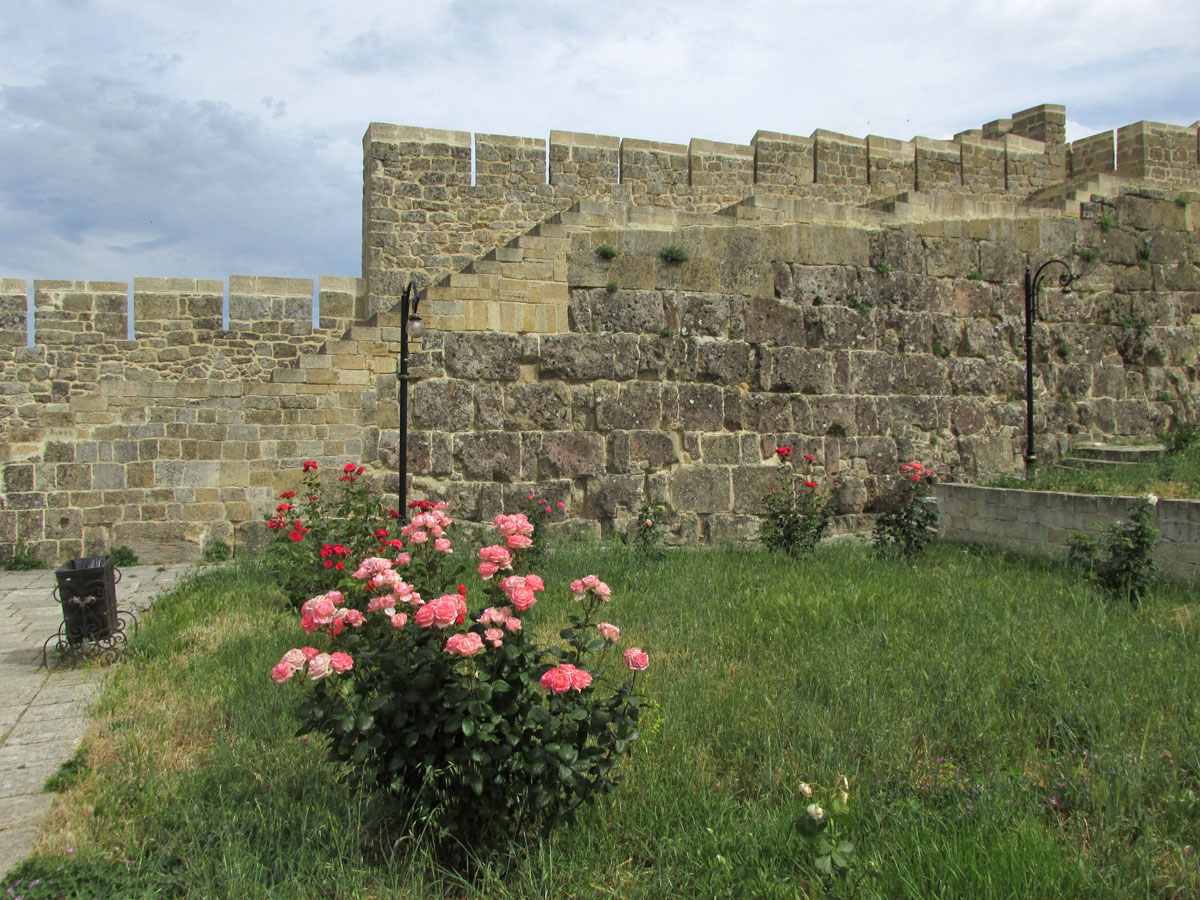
[494, 559]
[281, 672]
[308, 623]
[592, 584]
[310, 653]
[371, 567]
[399, 620]
[442, 545]
[323, 610]
[565, 677]
[295, 659]
[637, 659]
[404, 558]
[355, 618]
[319, 666]
[464, 644]
[519, 541]
[418, 537]
[447, 610]
[495, 636]
[493, 616]
[512, 623]
[611, 633]
[341, 662]
[535, 582]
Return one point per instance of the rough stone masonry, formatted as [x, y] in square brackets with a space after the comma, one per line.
[859, 299]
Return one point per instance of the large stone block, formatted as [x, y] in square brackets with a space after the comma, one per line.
[701, 407]
[445, 404]
[701, 489]
[577, 357]
[540, 406]
[632, 406]
[568, 454]
[797, 370]
[490, 357]
[488, 455]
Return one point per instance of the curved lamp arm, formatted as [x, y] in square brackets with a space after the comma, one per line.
[1035, 284]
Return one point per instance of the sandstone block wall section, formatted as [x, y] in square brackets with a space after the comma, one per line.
[679, 384]
[424, 219]
[170, 440]
[12, 316]
[1159, 152]
[1093, 155]
[1040, 523]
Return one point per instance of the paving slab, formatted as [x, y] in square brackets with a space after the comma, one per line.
[43, 714]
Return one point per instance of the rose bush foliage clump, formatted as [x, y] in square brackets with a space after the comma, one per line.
[907, 522]
[441, 695]
[320, 531]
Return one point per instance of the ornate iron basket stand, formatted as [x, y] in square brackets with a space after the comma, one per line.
[92, 626]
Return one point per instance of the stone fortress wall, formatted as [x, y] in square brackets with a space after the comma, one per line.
[859, 299]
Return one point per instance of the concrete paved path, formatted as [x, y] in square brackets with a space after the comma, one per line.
[43, 714]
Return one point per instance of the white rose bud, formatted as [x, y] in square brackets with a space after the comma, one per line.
[815, 811]
[844, 797]
[1152, 500]
[805, 789]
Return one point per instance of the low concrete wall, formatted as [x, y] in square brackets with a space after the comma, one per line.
[1041, 522]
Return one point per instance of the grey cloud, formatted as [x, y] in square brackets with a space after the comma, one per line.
[132, 180]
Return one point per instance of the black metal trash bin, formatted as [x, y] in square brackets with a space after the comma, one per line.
[87, 590]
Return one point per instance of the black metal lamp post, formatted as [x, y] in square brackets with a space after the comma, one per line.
[1033, 284]
[411, 328]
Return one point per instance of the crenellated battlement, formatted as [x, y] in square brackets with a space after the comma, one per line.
[92, 316]
[426, 214]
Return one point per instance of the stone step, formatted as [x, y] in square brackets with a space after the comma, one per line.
[1119, 452]
[1076, 463]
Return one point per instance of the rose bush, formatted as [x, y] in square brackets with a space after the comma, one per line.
[907, 522]
[797, 510]
[451, 707]
[319, 530]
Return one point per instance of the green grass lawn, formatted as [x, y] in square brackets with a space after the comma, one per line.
[1176, 475]
[1006, 733]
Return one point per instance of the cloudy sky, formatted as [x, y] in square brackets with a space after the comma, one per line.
[161, 137]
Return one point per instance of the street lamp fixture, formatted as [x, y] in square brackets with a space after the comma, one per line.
[1033, 284]
[412, 327]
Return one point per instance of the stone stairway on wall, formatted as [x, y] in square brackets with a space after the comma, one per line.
[1103, 456]
[523, 287]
